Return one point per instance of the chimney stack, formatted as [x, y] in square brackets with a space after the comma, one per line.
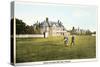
[47, 19]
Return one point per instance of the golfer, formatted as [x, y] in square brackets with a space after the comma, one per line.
[66, 40]
[73, 40]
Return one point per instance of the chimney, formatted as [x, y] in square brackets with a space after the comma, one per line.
[47, 19]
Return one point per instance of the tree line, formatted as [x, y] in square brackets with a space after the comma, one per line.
[81, 31]
[23, 28]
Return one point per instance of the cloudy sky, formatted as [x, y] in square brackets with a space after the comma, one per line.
[84, 17]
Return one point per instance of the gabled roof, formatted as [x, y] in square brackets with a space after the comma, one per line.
[51, 23]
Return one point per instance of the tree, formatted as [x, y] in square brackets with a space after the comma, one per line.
[88, 32]
[29, 29]
[20, 27]
[94, 32]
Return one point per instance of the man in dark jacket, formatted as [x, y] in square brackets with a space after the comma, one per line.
[73, 40]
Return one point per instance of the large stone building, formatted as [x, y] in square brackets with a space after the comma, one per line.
[52, 28]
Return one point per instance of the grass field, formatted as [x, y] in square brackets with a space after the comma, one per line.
[53, 48]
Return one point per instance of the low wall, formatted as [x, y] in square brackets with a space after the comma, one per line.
[29, 35]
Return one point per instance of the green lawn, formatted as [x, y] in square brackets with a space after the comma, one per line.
[53, 48]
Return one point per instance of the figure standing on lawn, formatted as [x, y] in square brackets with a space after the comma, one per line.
[73, 40]
[66, 40]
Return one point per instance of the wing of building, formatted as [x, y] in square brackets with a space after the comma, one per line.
[52, 28]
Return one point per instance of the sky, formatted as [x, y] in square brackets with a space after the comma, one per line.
[84, 17]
